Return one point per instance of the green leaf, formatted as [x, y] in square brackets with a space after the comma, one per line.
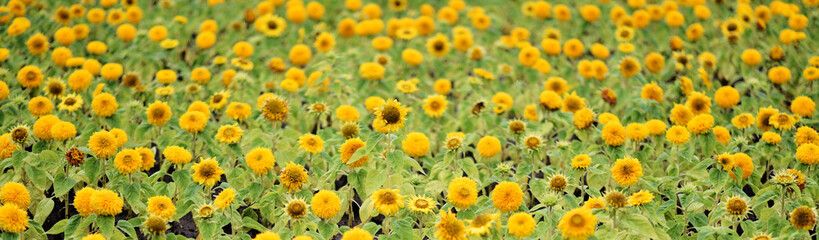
[92, 169]
[63, 184]
[327, 229]
[44, 209]
[59, 227]
[38, 177]
[106, 225]
[128, 228]
[253, 224]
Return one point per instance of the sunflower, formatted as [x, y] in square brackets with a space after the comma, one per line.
[450, 227]
[481, 224]
[616, 199]
[270, 25]
[156, 225]
[311, 143]
[70, 102]
[106, 202]
[435, 105]
[268, 235]
[682, 60]
[293, 177]
[229, 134]
[677, 135]
[698, 103]
[54, 88]
[438, 45]
[128, 161]
[103, 144]
[158, 113]
[20, 133]
[629, 67]
[744, 162]
[736, 206]
[225, 197]
[782, 121]
[421, 204]
[349, 130]
[40, 106]
[207, 172]
[63, 131]
[763, 117]
[238, 111]
[578, 223]
[808, 153]
[803, 106]
[614, 134]
[325, 204]
[275, 109]
[296, 208]
[104, 105]
[30, 77]
[521, 224]
[205, 211]
[193, 122]
[161, 206]
[13, 219]
[177, 155]
[7, 146]
[349, 148]
[652, 92]
[806, 134]
[626, 171]
[558, 183]
[595, 203]
[219, 99]
[640, 198]
[743, 120]
[507, 196]
[16, 194]
[387, 201]
[636, 132]
[532, 142]
[803, 217]
[624, 33]
[37, 44]
[357, 233]
[700, 124]
[392, 115]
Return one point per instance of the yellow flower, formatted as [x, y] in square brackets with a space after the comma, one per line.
[507, 196]
[268, 235]
[581, 161]
[82, 201]
[763, 117]
[16, 194]
[521, 225]
[13, 219]
[595, 203]
[640, 198]
[450, 227]
[421, 204]
[744, 162]
[626, 171]
[416, 144]
[104, 105]
[803, 106]
[275, 109]
[698, 103]
[311, 143]
[392, 115]
[70, 103]
[489, 146]
[736, 206]
[700, 124]
[387, 201]
[636, 131]
[128, 161]
[225, 197]
[325, 204]
[803, 217]
[743, 120]
[677, 135]
[808, 153]
[614, 134]
[462, 192]
[652, 92]
[578, 223]
[293, 177]
[102, 143]
[40, 106]
[481, 224]
[349, 148]
[438, 46]
[207, 172]
[161, 206]
[177, 155]
[106, 202]
[806, 134]
[782, 121]
[435, 105]
[229, 134]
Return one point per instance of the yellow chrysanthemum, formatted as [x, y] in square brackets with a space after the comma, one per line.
[640, 198]
[16, 194]
[626, 171]
[207, 172]
[128, 161]
[260, 160]
[161, 206]
[481, 224]
[13, 219]
[387, 201]
[229, 134]
[450, 227]
[225, 197]
[507, 196]
[106, 202]
[325, 204]
[578, 223]
[311, 143]
[177, 155]
[293, 177]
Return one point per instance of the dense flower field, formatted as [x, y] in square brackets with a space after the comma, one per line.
[406, 119]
